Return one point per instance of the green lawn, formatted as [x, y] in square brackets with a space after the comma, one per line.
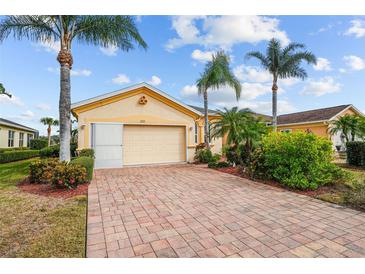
[339, 191]
[37, 226]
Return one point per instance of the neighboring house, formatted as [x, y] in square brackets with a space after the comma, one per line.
[15, 135]
[317, 121]
[140, 124]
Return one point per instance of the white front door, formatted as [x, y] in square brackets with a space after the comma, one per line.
[107, 143]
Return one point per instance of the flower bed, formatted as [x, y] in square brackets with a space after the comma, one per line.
[49, 191]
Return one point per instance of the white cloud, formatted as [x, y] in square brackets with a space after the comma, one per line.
[257, 75]
[43, 106]
[325, 85]
[252, 74]
[155, 81]
[202, 56]
[357, 28]
[265, 107]
[14, 100]
[73, 72]
[121, 79]
[354, 62]
[81, 72]
[25, 116]
[323, 64]
[224, 31]
[110, 50]
[49, 46]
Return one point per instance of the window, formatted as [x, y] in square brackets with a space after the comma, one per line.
[11, 134]
[29, 137]
[287, 130]
[196, 133]
[21, 139]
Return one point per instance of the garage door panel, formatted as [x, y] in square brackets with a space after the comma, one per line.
[153, 144]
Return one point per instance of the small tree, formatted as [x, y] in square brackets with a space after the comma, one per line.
[347, 125]
[49, 121]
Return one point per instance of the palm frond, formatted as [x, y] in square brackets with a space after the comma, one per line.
[120, 31]
[264, 61]
[34, 28]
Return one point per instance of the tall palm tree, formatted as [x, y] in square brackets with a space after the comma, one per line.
[282, 63]
[49, 121]
[120, 31]
[347, 125]
[3, 91]
[217, 74]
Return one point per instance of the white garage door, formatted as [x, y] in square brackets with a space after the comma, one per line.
[107, 143]
[153, 144]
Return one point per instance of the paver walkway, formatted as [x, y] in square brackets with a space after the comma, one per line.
[191, 211]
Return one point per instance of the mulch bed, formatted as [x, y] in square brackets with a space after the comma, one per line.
[312, 193]
[49, 191]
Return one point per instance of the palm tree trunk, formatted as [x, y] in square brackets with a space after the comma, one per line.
[274, 105]
[64, 111]
[49, 135]
[206, 120]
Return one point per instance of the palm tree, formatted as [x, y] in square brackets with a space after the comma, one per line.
[120, 31]
[3, 91]
[243, 129]
[282, 63]
[347, 125]
[217, 74]
[49, 121]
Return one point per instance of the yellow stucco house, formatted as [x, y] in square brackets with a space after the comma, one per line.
[15, 135]
[317, 121]
[140, 124]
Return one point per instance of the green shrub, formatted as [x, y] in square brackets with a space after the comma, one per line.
[298, 160]
[67, 175]
[356, 153]
[205, 155]
[58, 174]
[223, 164]
[89, 152]
[13, 149]
[86, 162]
[41, 171]
[17, 155]
[38, 143]
[49, 152]
[215, 164]
[212, 164]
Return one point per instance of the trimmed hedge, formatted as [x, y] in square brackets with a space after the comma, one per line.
[356, 153]
[51, 151]
[17, 155]
[38, 143]
[54, 151]
[13, 149]
[86, 162]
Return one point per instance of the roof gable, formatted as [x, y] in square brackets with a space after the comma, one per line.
[107, 98]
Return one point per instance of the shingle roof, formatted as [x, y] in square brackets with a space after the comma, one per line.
[16, 125]
[200, 109]
[311, 115]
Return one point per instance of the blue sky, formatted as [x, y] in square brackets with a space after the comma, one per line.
[178, 48]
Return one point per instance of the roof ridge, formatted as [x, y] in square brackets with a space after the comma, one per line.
[316, 109]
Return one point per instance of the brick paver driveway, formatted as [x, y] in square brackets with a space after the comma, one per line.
[190, 211]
